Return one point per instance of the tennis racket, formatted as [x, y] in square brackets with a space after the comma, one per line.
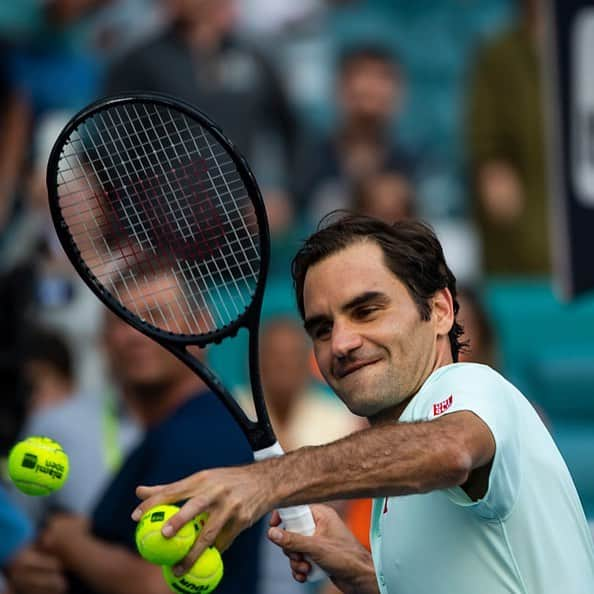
[164, 221]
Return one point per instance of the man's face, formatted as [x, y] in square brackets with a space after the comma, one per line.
[136, 360]
[284, 357]
[370, 342]
[369, 90]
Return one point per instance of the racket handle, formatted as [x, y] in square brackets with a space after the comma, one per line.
[297, 518]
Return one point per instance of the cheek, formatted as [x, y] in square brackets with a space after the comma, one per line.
[323, 358]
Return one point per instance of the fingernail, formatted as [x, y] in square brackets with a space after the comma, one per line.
[136, 515]
[167, 530]
[275, 535]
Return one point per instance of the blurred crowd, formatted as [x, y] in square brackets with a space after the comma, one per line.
[393, 109]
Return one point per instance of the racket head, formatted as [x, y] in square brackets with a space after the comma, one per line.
[144, 184]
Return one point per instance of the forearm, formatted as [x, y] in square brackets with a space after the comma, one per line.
[112, 569]
[395, 459]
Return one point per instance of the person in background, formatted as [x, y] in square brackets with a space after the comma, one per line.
[95, 429]
[506, 145]
[386, 195]
[479, 333]
[369, 93]
[301, 413]
[174, 408]
[199, 59]
[16, 531]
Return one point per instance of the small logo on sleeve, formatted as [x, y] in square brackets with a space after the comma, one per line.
[442, 406]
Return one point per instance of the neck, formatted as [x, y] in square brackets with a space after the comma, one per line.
[153, 404]
[282, 410]
[361, 129]
[443, 357]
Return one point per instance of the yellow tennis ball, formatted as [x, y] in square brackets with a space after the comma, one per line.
[153, 546]
[38, 465]
[203, 577]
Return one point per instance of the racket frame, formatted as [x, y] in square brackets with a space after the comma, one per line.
[259, 433]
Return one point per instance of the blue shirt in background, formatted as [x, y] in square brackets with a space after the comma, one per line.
[15, 528]
[200, 434]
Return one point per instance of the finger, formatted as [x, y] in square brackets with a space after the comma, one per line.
[186, 513]
[291, 541]
[275, 518]
[159, 494]
[301, 567]
[205, 539]
[46, 582]
[37, 561]
[300, 577]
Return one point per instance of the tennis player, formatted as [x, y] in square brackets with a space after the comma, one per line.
[471, 493]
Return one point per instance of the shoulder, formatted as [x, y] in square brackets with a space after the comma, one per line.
[63, 417]
[199, 431]
[467, 385]
[143, 52]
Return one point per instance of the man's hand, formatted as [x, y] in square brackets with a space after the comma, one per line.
[333, 547]
[235, 498]
[63, 534]
[36, 572]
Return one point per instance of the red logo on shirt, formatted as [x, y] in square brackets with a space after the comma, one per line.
[441, 407]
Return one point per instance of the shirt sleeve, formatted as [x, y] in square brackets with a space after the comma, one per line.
[485, 393]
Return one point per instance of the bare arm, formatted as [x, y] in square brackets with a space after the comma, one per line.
[393, 459]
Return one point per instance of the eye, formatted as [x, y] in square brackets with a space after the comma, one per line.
[365, 311]
[322, 331]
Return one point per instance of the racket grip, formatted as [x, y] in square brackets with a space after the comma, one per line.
[297, 518]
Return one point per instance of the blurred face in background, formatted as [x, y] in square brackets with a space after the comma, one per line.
[284, 361]
[49, 386]
[139, 363]
[385, 196]
[369, 90]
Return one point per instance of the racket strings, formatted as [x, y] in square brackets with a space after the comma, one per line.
[161, 217]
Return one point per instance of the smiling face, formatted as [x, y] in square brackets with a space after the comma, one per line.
[370, 342]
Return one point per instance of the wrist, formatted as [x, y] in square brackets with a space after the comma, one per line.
[363, 579]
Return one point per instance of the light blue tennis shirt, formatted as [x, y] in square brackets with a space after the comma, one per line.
[527, 535]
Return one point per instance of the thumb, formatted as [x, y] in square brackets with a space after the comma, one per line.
[291, 541]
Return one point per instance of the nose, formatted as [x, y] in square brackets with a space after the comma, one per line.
[345, 339]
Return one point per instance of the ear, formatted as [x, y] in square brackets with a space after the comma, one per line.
[442, 311]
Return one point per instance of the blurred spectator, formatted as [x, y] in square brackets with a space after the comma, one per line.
[507, 149]
[301, 414]
[200, 60]
[369, 91]
[15, 122]
[96, 430]
[387, 195]
[60, 299]
[478, 330]
[48, 370]
[16, 533]
[175, 409]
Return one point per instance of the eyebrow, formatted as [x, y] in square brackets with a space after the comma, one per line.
[362, 299]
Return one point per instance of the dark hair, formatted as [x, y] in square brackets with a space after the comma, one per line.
[48, 347]
[411, 251]
[358, 53]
